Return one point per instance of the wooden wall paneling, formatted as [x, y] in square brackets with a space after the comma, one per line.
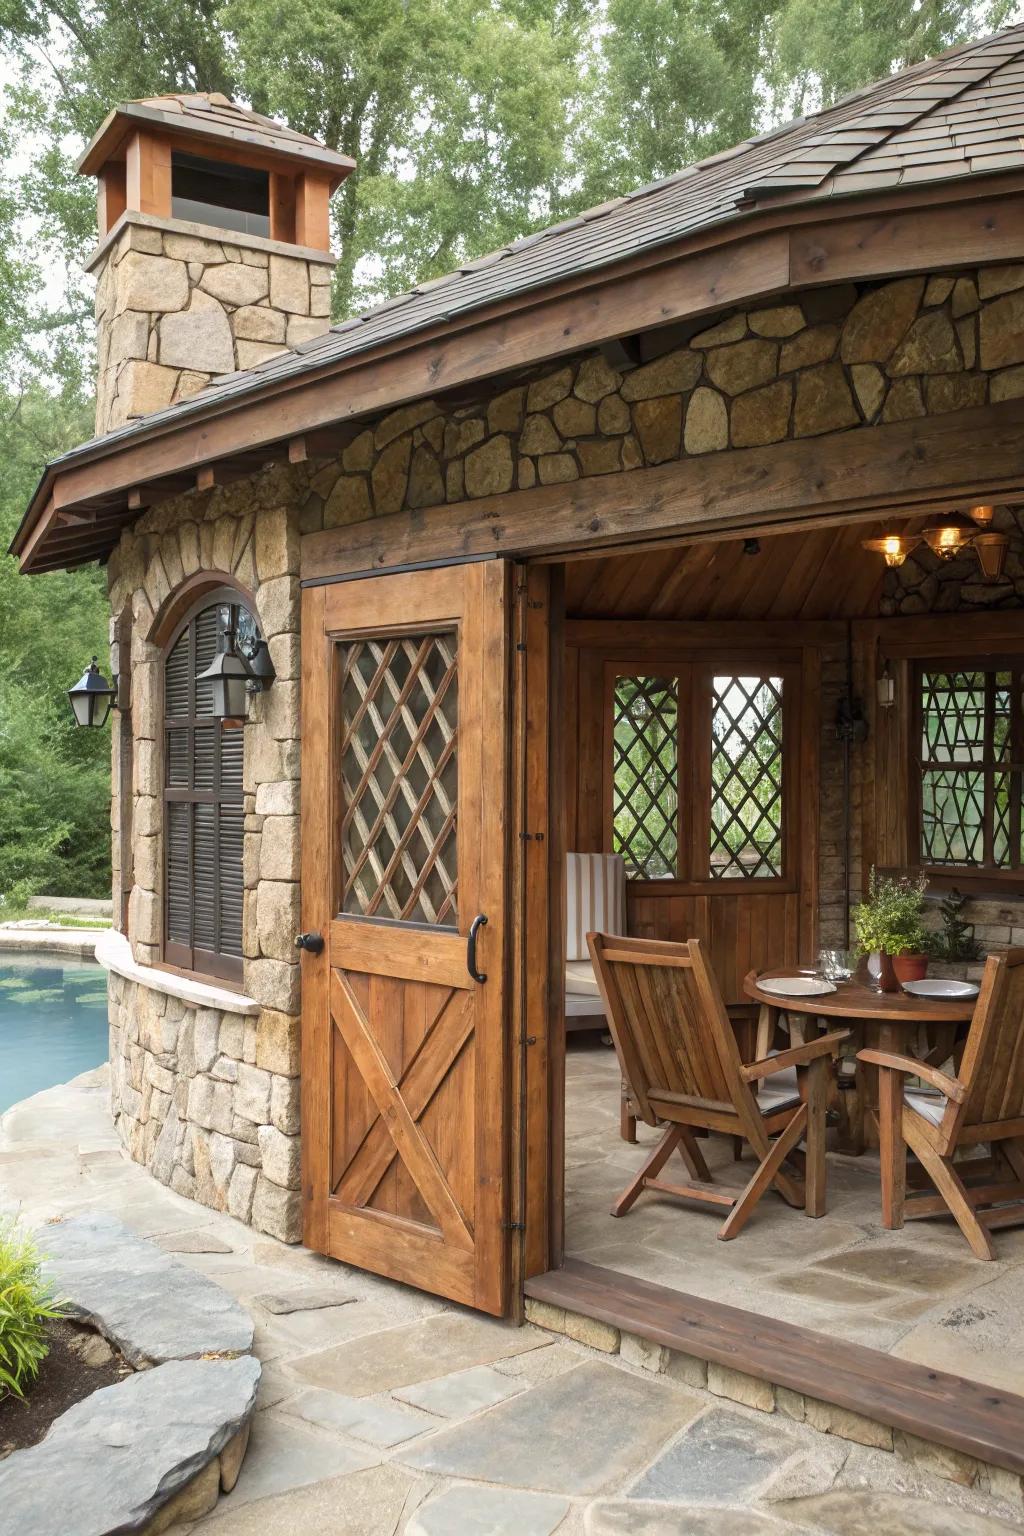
[591, 746]
[565, 717]
[282, 206]
[541, 917]
[804, 790]
[561, 736]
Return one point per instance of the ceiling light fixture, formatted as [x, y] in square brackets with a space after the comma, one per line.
[949, 535]
[893, 547]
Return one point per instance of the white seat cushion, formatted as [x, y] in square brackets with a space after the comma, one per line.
[779, 1091]
[580, 980]
[930, 1106]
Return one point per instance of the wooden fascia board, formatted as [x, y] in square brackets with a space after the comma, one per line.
[822, 480]
[728, 265]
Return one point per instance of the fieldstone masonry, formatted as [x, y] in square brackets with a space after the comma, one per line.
[178, 303]
[209, 1099]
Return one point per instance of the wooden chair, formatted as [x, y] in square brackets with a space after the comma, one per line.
[595, 898]
[679, 1056]
[982, 1104]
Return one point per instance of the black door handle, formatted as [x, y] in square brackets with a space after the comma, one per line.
[474, 928]
[314, 942]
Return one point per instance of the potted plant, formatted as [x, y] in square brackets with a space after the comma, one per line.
[889, 924]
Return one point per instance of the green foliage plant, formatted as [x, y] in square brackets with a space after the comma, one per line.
[956, 939]
[26, 1306]
[890, 921]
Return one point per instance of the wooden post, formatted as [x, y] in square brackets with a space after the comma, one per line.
[312, 212]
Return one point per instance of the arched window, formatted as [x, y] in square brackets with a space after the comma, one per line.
[203, 810]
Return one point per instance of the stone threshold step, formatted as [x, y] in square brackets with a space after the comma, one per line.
[949, 1411]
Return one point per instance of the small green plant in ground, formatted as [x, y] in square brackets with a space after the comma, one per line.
[955, 940]
[26, 1306]
[890, 920]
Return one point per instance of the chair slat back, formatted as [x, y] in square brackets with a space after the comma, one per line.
[992, 1067]
[668, 1022]
[595, 899]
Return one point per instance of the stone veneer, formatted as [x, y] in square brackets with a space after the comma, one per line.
[178, 303]
[209, 1100]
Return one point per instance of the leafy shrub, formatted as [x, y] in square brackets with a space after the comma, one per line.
[26, 1305]
[890, 920]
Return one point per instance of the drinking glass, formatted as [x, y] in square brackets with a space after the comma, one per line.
[836, 964]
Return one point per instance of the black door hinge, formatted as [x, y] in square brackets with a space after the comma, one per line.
[532, 837]
[514, 1226]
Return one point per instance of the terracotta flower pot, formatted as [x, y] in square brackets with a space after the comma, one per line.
[910, 967]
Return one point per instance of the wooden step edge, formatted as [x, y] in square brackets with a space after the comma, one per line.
[951, 1411]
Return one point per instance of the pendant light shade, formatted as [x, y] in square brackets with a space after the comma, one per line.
[233, 675]
[893, 547]
[983, 515]
[990, 549]
[949, 535]
[92, 697]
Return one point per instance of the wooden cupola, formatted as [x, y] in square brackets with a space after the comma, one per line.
[202, 159]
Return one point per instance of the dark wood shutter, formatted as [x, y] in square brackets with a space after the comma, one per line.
[204, 815]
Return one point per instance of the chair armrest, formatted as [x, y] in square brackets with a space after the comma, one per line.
[795, 1056]
[950, 1086]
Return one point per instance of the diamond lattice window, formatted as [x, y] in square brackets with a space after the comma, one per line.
[970, 744]
[645, 775]
[399, 778]
[746, 778]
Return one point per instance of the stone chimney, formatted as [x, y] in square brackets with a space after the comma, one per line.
[214, 247]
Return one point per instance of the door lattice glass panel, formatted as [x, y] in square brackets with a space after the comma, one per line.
[399, 778]
[746, 778]
[970, 780]
[645, 775]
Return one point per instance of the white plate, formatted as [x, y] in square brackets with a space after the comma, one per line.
[796, 986]
[954, 991]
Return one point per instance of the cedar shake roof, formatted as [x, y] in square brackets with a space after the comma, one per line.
[960, 115]
[212, 119]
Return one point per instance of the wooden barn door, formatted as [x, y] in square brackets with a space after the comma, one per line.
[405, 799]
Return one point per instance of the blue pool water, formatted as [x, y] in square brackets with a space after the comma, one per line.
[53, 1023]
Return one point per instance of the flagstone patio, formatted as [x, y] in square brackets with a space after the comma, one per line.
[918, 1293]
[384, 1411]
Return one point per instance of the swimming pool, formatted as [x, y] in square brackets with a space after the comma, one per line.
[53, 1023]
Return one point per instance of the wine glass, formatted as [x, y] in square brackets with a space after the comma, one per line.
[836, 965]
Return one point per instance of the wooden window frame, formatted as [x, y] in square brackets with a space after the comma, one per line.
[694, 670]
[973, 877]
[203, 965]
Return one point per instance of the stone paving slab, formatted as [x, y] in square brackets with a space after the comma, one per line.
[469, 1511]
[153, 1308]
[863, 1513]
[463, 1393]
[378, 1423]
[418, 1351]
[284, 1455]
[366, 1503]
[573, 1435]
[310, 1298]
[109, 1463]
[615, 1517]
[723, 1458]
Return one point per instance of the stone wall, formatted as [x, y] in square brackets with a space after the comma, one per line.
[177, 304]
[827, 360]
[209, 1099]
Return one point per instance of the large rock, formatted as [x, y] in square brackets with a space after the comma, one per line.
[707, 423]
[930, 346]
[489, 468]
[1002, 331]
[878, 322]
[658, 424]
[743, 366]
[111, 1462]
[198, 337]
[823, 402]
[235, 284]
[668, 375]
[762, 416]
[153, 1308]
[151, 282]
[289, 285]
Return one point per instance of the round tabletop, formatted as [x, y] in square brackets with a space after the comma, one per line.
[853, 1000]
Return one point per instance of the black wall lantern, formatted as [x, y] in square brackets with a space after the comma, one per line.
[237, 670]
[92, 697]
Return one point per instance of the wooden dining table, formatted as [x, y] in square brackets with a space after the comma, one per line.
[886, 1021]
